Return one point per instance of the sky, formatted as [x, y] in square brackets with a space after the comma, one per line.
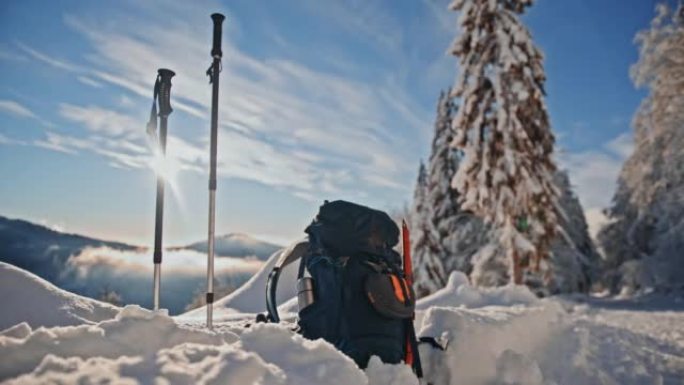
[319, 100]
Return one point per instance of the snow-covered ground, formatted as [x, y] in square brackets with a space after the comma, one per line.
[497, 336]
[27, 298]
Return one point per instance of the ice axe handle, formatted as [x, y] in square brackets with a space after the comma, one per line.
[218, 21]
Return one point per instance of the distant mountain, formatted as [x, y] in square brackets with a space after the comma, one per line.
[43, 251]
[237, 245]
[92, 267]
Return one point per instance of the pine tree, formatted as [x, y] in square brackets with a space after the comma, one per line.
[110, 296]
[459, 232]
[429, 274]
[454, 235]
[643, 243]
[502, 128]
[440, 196]
[574, 262]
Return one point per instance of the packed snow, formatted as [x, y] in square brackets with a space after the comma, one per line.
[458, 291]
[249, 299]
[493, 336]
[36, 302]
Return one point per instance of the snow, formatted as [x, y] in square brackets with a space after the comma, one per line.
[514, 368]
[34, 296]
[250, 298]
[494, 336]
[133, 332]
[458, 292]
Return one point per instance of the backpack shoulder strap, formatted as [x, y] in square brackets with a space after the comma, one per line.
[287, 256]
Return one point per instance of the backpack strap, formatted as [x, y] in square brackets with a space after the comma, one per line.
[271, 289]
[432, 341]
[344, 336]
[152, 123]
[287, 256]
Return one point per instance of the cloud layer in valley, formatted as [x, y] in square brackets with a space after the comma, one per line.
[95, 271]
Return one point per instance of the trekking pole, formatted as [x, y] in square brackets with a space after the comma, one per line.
[162, 93]
[213, 73]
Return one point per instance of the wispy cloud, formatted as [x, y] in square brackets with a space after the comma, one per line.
[283, 124]
[368, 20]
[594, 173]
[9, 141]
[103, 121]
[89, 81]
[49, 60]
[121, 153]
[10, 55]
[14, 108]
[62, 143]
[622, 145]
[446, 20]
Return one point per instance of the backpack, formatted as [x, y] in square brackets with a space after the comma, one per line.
[352, 291]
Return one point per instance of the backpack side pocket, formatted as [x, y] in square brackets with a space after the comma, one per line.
[320, 319]
[390, 295]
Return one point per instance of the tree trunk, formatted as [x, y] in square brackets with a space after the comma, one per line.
[517, 270]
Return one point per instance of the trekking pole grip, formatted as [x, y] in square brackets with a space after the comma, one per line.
[165, 76]
[218, 21]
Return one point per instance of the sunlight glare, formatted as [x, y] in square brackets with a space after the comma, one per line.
[165, 167]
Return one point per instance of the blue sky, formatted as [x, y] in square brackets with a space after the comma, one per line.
[319, 100]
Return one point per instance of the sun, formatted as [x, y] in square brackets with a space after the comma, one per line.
[168, 169]
[165, 167]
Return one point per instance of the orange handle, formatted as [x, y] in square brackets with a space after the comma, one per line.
[406, 249]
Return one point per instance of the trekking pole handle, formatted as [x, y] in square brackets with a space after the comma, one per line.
[165, 76]
[218, 21]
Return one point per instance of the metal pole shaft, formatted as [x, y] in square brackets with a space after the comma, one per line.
[210, 259]
[159, 216]
[214, 74]
[165, 110]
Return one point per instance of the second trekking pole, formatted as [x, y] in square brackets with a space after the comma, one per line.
[213, 73]
[162, 94]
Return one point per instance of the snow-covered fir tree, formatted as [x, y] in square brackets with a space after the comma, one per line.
[446, 238]
[502, 127]
[644, 241]
[441, 197]
[454, 235]
[573, 261]
[429, 274]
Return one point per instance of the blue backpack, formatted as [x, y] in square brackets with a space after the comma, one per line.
[352, 291]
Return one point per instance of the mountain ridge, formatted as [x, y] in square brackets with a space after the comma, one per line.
[235, 245]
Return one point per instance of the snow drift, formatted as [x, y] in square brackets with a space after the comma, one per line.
[39, 303]
[250, 298]
[496, 336]
[172, 353]
[458, 292]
